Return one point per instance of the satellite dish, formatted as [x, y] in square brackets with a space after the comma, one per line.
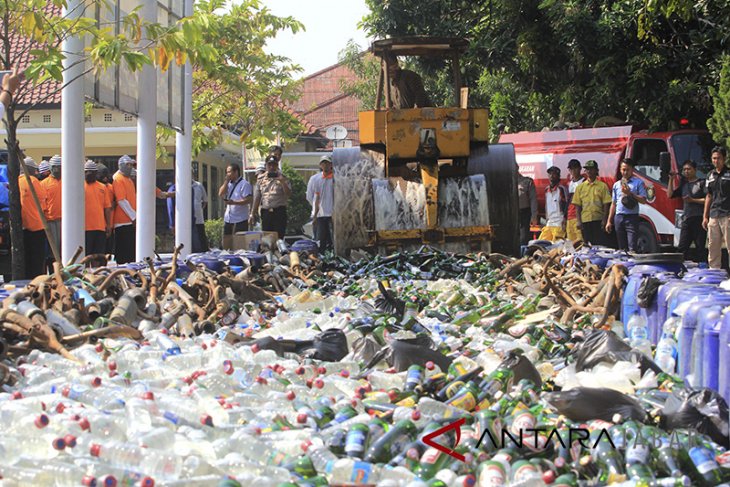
[336, 132]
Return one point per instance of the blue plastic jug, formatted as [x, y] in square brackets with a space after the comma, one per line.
[707, 318]
[711, 352]
[723, 379]
[686, 331]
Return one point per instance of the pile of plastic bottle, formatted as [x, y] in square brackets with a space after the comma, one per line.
[215, 410]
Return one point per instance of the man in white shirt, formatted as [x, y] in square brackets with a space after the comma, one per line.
[237, 194]
[311, 184]
[324, 201]
[556, 207]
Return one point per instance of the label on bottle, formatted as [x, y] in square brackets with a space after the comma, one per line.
[430, 456]
[355, 442]
[413, 378]
[703, 459]
[637, 454]
[466, 401]
[361, 472]
[493, 475]
[724, 459]
[639, 333]
[524, 473]
[522, 422]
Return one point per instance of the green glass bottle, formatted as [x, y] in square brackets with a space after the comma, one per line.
[357, 437]
[392, 442]
[608, 461]
[336, 443]
[466, 397]
[414, 377]
[637, 458]
[703, 463]
[431, 462]
[492, 473]
[566, 480]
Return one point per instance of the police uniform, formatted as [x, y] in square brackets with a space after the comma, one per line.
[273, 199]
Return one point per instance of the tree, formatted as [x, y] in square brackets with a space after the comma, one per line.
[366, 68]
[237, 86]
[538, 62]
[31, 36]
[719, 123]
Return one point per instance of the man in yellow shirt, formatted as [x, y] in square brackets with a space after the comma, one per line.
[34, 237]
[52, 185]
[125, 212]
[592, 201]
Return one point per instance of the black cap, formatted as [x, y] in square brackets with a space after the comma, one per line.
[573, 163]
[553, 169]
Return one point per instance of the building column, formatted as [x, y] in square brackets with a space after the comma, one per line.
[183, 161]
[146, 149]
[72, 140]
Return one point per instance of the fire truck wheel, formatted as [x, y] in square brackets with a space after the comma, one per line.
[647, 242]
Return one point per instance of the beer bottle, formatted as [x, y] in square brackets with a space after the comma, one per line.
[431, 462]
[524, 471]
[414, 377]
[466, 397]
[357, 437]
[637, 458]
[409, 457]
[377, 427]
[492, 473]
[608, 461]
[566, 480]
[703, 463]
[392, 442]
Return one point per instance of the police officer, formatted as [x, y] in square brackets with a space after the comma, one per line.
[717, 208]
[271, 195]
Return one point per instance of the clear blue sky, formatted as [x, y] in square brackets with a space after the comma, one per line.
[329, 25]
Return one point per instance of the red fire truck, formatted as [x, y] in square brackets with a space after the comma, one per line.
[656, 154]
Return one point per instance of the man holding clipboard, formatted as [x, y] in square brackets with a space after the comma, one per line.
[237, 194]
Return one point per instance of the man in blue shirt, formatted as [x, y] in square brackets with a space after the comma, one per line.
[626, 195]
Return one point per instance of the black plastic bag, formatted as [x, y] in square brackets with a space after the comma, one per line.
[648, 290]
[601, 346]
[401, 354]
[703, 410]
[330, 345]
[522, 368]
[586, 403]
[280, 347]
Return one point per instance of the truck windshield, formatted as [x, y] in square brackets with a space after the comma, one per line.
[696, 147]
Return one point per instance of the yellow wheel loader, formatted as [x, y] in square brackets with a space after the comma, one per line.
[425, 175]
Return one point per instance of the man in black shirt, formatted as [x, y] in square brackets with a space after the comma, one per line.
[693, 191]
[717, 208]
[406, 87]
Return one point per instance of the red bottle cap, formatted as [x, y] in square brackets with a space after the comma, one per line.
[84, 424]
[148, 396]
[290, 395]
[88, 481]
[206, 419]
[41, 421]
[110, 481]
[95, 450]
[228, 367]
[70, 440]
[58, 444]
[147, 482]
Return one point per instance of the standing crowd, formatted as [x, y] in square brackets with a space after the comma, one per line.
[586, 210]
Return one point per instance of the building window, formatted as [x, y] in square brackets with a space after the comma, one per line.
[107, 117]
[46, 119]
[25, 119]
[128, 117]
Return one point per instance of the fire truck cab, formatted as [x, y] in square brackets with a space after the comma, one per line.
[656, 155]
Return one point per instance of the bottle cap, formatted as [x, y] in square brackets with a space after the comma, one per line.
[109, 481]
[58, 444]
[88, 481]
[147, 482]
[41, 421]
[206, 420]
[95, 451]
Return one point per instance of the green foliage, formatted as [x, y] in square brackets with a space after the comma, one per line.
[214, 232]
[298, 209]
[539, 62]
[366, 68]
[719, 123]
[237, 86]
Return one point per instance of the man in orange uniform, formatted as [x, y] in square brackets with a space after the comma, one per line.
[98, 211]
[34, 237]
[52, 185]
[125, 212]
[103, 176]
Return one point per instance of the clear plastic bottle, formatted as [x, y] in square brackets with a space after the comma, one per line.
[348, 470]
[322, 459]
[638, 332]
[63, 474]
[155, 463]
[666, 350]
